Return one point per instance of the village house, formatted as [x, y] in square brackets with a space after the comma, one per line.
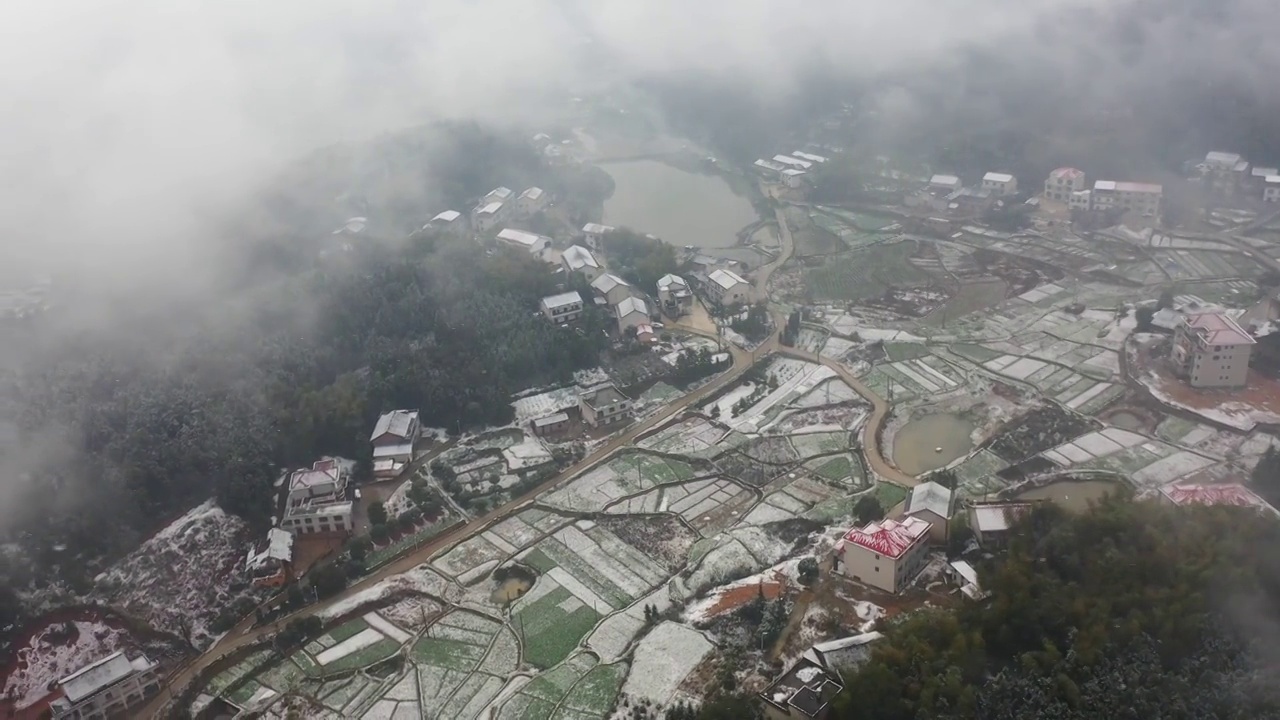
[1271, 190]
[532, 243]
[577, 259]
[1063, 182]
[934, 504]
[1225, 171]
[449, 221]
[1142, 198]
[604, 405]
[612, 288]
[551, 425]
[674, 296]
[393, 437]
[1000, 184]
[945, 183]
[810, 157]
[969, 200]
[1258, 178]
[886, 554]
[106, 688]
[1233, 494]
[992, 521]
[805, 692]
[769, 168]
[499, 194]
[1211, 350]
[531, 200]
[965, 576]
[562, 308]
[1081, 200]
[631, 313]
[593, 234]
[486, 216]
[794, 163]
[317, 501]
[268, 563]
[726, 288]
[794, 178]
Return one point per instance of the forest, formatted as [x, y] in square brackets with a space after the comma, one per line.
[1131, 610]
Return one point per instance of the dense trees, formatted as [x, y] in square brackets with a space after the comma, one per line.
[639, 259]
[1130, 611]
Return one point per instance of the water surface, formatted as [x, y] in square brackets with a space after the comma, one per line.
[916, 445]
[680, 207]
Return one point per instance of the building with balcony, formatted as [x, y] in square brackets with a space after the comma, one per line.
[317, 500]
[605, 405]
[562, 308]
[886, 554]
[1211, 350]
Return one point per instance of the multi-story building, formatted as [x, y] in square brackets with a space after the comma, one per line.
[1081, 200]
[631, 313]
[521, 240]
[934, 504]
[727, 288]
[531, 200]
[577, 259]
[1142, 198]
[612, 288]
[1000, 184]
[1211, 350]
[392, 439]
[449, 221]
[1225, 170]
[562, 308]
[674, 295]
[107, 688]
[886, 554]
[486, 216]
[317, 501]
[1062, 183]
[593, 234]
[604, 405]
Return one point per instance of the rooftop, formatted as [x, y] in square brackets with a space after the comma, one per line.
[1273, 179]
[998, 177]
[555, 419]
[770, 165]
[603, 395]
[945, 180]
[1218, 329]
[397, 423]
[631, 305]
[1137, 187]
[279, 546]
[932, 497]
[520, 237]
[1225, 494]
[671, 282]
[809, 156]
[793, 162]
[725, 278]
[807, 687]
[1264, 172]
[597, 228]
[578, 257]
[998, 517]
[322, 473]
[1224, 159]
[492, 208]
[499, 193]
[607, 282]
[1067, 173]
[793, 172]
[890, 537]
[561, 300]
[101, 673]
[447, 216]
[532, 193]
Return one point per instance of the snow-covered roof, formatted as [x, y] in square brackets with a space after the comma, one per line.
[1104, 185]
[1067, 173]
[555, 419]
[492, 208]
[397, 423]
[1218, 329]
[792, 172]
[1273, 179]
[809, 156]
[520, 237]
[607, 282]
[726, 279]
[447, 216]
[578, 257]
[632, 305]
[672, 282]
[932, 497]
[532, 193]
[890, 537]
[321, 473]
[279, 546]
[499, 193]
[998, 177]
[792, 162]
[382, 452]
[1224, 494]
[1264, 172]
[1137, 187]
[847, 642]
[966, 571]
[770, 165]
[552, 302]
[998, 517]
[1222, 159]
[99, 674]
[597, 229]
[945, 180]
[602, 395]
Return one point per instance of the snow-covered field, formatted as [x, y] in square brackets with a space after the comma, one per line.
[421, 579]
[183, 574]
[662, 661]
[46, 659]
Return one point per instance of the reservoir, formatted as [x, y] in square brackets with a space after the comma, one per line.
[1073, 495]
[682, 208]
[915, 446]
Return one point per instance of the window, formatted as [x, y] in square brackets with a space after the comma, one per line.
[877, 568]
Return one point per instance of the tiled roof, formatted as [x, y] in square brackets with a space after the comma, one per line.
[932, 497]
[890, 537]
[1225, 494]
[1219, 329]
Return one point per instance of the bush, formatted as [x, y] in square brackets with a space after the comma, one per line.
[808, 568]
[868, 509]
[357, 549]
[379, 533]
[377, 513]
[328, 580]
[405, 522]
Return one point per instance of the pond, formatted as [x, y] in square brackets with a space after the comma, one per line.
[1126, 420]
[930, 442]
[1073, 495]
[510, 590]
[680, 207]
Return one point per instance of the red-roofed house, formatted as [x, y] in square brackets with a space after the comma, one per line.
[1224, 494]
[1211, 350]
[885, 554]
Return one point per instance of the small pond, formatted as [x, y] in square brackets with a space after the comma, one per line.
[932, 441]
[683, 208]
[1073, 495]
[1126, 420]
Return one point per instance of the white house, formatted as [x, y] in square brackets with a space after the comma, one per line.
[674, 295]
[795, 163]
[317, 501]
[794, 178]
[498, 194]
[934, 504]
[769, 168]
[593, 234]
[531, 200]
[1271, 190]
[810, 157]
[486, 216]
[604, 405]
[449, 221]
[1081, 200]
[521, 240]
[992, 522]
[948, 183]
[1000, 184]
[267, 564]
[631, 313]
[393, 437]
[1211, 350]
[728, 288]
[577, 259]
[562, 308]
[1143, 198]
[1062, 182]
[105, 688]
[612, 288]
[886, 554]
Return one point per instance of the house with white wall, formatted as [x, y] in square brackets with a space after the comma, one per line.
[674, 296]
[934, 504]
[532, 200]
[531, 243]
[486, 216]
[1271, 189]
[450, 222]
[886, 554]
[631, 313]
[605, 405]
[1211, 350]
[577, 259]
[317, 500]
[106, 688]
[392, 439]
[562, 308]
[612, 288]
[593, 234]
[1142, 198]
[1063, 182]
[1000, 184]
[727, 288]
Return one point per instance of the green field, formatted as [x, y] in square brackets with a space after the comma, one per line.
[867, 273]
[889, 495]
[550, 633]
[835, 469]
[651, 469]
[598, 690]
[380, 650]
[347, 630]
[905, 351]
[447, 652]
[970, 297]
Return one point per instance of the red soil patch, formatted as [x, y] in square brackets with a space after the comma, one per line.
[734, 598]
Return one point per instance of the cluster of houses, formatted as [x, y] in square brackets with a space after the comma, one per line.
[791, 170]
[1230, 173]
[106, 688]
[1067, 185]
[946, 193]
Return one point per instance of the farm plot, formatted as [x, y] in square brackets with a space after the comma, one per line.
[821, 443]
[975, 473]
[844, 471]
[579, 688]
[596, 566]
[554, 623]
[796, 498]
[931, 374]
[1037, 431]
[866, 273]
[811, 340]
[828, 392]
[639, 471]
[690, 500]
[345, 695]
[662, 661]
[461, 663]
[592, 492]
[688, 436]
[799, 422]
[663, 539]
[468, 557]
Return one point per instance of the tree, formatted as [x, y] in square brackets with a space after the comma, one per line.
[379, 533]
[328, 580]
[358, 548]
[1144, 316]
[868, 509]
[377, 513]
[1166, 299]
[808, 568]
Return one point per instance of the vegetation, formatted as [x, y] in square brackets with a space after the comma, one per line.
[755, 326]
[640, 259]
[1131, 610]
[692, 366]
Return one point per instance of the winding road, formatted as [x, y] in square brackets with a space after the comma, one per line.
[244, 634]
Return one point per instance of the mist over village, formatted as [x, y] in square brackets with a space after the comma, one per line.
[568, 360]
